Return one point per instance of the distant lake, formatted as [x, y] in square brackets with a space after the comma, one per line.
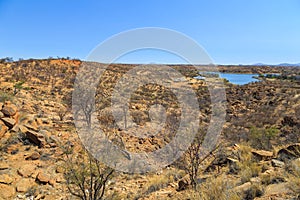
[238, 79]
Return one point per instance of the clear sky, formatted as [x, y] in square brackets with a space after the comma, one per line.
[231, 31]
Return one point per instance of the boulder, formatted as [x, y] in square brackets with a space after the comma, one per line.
[184, 183]
[6, 179]
[7, 191]
[9, 122]
[280, 188]
[277, 163]
[34, 156]
[23, 129]
[241, 189]
[36, 138]
[289, 152]
[1, 114]
[42, 178]
[26, 170]
[3, 129]
[31, 127]
[24, 184]
[9, 109]
[262, 154]
[4, 166]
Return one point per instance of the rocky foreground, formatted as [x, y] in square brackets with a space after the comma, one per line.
[258, 156]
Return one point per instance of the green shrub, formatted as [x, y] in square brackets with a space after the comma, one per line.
[5, 97]
[261, 137]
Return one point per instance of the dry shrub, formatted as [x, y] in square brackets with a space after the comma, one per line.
[294, 177]
[248, 168]
[215, 188]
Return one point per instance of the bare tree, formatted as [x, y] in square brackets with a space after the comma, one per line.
[194, 157]
[85, 176]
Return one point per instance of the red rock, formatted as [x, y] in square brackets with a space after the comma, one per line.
[42, 178]
[24, 184]
[36, 138]
[34, 156]
[9, 109]
[1, 114]
[3, 129]
[9, 122]
[7, 192]
[26, 170]
[6, 179]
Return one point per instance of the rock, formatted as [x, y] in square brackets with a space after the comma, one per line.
[23, 129]
[277, 163]
[255, 180]
[289, 152]
[36, 138]
[280, 188]
[4, 166]
[262, 154]
[39, 121]
[59, 169]
[1, 114]
[34, 156]
[16, 117]
[289, 121]
[42, 178]
[6, 179]
[3, 129]
[31, 127]
[7, 192]
[60, 179]
[26, 170]
[15, 129]
[9, 109]
[24, 184]
[52, 182]
[9, 122]
[241, 189]
[184, 183]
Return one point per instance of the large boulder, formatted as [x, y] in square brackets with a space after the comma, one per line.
[289, 152]
[262, 154]
[36, 138]
[9, 109]
[9, 122]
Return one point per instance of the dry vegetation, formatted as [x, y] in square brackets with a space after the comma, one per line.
[257, 156]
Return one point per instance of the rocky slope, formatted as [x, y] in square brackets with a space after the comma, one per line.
[258, 158]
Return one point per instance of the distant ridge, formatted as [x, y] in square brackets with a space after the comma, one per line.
[281, 64]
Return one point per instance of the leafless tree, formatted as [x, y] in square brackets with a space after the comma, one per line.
[86, 177]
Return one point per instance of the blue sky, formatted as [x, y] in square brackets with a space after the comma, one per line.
[231, 31]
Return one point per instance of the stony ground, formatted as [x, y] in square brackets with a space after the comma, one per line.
[258, 157]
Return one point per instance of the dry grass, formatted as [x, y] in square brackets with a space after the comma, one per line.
[294, 177]
[247, 167]
[215, 188]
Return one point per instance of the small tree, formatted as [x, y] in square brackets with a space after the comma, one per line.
[18, 86]
[193, 158]
[86, 177]
[261, 137]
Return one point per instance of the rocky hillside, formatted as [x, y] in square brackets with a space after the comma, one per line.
[258, 156]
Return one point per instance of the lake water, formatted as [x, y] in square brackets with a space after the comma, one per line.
[238, 79]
